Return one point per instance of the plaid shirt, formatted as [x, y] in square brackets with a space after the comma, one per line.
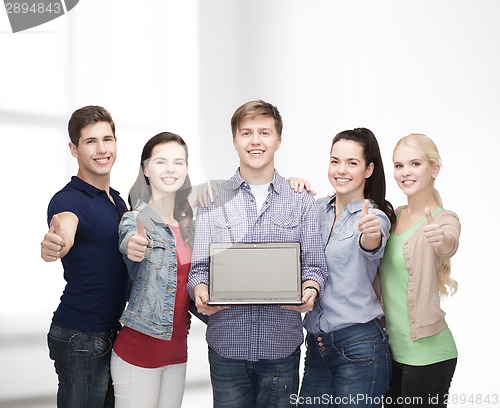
[257, 332]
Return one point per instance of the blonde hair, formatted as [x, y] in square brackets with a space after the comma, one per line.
[422, 143]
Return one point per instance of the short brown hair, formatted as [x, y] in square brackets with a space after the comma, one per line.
[86, 116]
[253, 109]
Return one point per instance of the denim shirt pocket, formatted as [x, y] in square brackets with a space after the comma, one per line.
[346, 234]
[345, 239]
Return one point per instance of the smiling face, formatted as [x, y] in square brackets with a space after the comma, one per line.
[96, 152]
[166, 169]
[348, 170]
[256, 140]
[413, 172]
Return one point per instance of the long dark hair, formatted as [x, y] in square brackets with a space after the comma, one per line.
[375, 188]
[183, 211]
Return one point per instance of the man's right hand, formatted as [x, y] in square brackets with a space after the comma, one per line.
[200, 293]
[53, 241]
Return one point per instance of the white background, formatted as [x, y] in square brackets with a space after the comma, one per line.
[395, 67]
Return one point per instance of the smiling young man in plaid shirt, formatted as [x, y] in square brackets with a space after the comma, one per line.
[254, 351]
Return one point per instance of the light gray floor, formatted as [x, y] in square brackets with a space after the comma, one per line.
[28, 380]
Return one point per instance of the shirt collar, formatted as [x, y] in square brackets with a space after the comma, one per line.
[89, 189]
[353, 207]
[278, 183]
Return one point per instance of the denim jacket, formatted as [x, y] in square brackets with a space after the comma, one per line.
[150, 309]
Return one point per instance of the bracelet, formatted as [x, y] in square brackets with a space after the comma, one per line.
[317, 292]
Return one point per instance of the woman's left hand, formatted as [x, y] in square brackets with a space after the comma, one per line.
[433, 231]
[299, 184]
[369, 226]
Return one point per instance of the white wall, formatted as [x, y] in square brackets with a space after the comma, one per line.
[395, 67]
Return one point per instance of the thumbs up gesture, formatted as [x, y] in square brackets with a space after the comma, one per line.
[138, 243]
[369, 225]
[432, 231]
[53, 241]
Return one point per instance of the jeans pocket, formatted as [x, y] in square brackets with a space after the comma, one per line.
[282, 388]
[102, 346]
[61, 352]
[362, 352]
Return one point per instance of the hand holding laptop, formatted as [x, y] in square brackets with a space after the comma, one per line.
[310, 296]
[201, 298]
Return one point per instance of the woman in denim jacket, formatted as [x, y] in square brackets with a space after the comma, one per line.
[148, 364]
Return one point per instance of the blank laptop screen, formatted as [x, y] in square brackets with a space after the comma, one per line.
[256, 273]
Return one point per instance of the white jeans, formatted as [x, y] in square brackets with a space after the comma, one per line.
[137, 387]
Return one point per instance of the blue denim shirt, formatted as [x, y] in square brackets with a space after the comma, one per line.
[150, 309]
[349, 297]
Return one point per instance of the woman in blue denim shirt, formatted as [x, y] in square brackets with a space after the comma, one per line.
[148, 364]
[348, 360]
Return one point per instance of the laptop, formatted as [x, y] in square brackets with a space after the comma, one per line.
[255, 274]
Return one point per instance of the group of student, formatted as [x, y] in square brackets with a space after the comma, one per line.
[372, 276]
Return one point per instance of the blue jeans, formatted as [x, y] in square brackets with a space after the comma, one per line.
[81, 360]
[347, 367]
[253, 384]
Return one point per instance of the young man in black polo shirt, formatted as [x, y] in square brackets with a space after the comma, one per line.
[83, 219]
